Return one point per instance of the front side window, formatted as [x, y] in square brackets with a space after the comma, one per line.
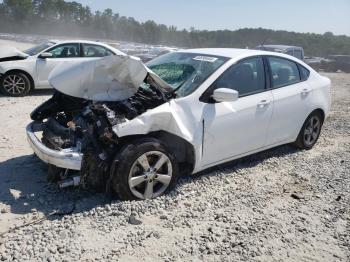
[246, 77]
[65, 51]
[284, 72]
[185, 72]
[91, 50]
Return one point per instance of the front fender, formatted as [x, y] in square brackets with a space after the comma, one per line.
[25, 66]
[162, 118]
[2, 71]
[175, 118]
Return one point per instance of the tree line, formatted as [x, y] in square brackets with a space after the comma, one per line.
[59, 17]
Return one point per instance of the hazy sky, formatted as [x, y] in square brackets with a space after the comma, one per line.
[317, 16]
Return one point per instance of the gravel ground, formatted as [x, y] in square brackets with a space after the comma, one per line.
[278, 205]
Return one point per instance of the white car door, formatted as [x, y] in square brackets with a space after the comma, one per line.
[238, 127]
[60, 53]
[291, 99]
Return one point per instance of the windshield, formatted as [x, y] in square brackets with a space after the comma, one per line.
[185, 72]
[37, 49]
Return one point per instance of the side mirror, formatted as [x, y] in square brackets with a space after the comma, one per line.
[45, 55]
[225, 95]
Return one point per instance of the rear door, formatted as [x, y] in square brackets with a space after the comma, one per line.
[60, 54]
[235, 128]
[291, 95]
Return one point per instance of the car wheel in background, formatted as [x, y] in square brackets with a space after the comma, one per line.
[144, 169]
[15, 84]
[310, 131]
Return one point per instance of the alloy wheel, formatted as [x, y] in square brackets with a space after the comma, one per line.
[14, 84]
[312, 130]
[150, 175]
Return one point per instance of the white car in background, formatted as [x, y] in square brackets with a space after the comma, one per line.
[136, 128]
[21, 72]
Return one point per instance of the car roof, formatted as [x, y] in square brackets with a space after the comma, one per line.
[231, 52]
[282, 47]
[237, 54]
[226, 52]
[117, 51]
[77, 41]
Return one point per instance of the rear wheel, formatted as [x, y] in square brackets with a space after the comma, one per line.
[310, 131]
[145, 169]
[15, 84]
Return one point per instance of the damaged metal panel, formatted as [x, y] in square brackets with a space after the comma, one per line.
[112, 78]
[118, 78]
[175, 117]
[9, 53]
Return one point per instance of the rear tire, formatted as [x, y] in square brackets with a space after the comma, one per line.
[15, 84]
[144, 169]
[310, 131]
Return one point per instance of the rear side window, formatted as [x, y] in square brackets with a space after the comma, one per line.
[246, 77]
[284, 72]
[304, 73]
[95, 51]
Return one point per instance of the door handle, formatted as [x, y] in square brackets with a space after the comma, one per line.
[305, 91]
[264, 103]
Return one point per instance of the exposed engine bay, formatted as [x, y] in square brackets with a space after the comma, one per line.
[72, 122]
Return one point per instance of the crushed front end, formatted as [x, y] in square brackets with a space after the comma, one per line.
[77, 139]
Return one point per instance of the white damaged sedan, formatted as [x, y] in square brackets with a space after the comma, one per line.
[21, 72]
[115, 124]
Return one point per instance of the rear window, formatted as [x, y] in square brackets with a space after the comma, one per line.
[91, 50]
[284, 72]
[304, 73]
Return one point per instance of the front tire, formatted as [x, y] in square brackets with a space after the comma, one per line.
[310, 131]
[144, 169]
[15, 84]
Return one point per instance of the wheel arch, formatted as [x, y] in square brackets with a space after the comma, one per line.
[320, 111]
[32, 83]
[182, 149]
[299, 143]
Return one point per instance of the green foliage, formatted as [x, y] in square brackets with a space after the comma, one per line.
[59, 17]
[18, 10]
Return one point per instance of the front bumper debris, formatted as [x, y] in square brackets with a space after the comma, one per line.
[68, 158]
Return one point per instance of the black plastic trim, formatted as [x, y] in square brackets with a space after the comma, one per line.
[12, 58]
[301, 73]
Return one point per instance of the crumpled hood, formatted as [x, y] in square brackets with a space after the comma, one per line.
[111, 78]
[9, 51]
